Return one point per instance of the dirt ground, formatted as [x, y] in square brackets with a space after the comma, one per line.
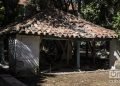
[78, 79]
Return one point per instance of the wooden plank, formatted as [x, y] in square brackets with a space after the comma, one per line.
[55, 38]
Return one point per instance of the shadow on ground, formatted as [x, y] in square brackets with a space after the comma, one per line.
[34, 80]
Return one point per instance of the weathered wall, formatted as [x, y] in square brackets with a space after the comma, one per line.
[27, 53]
[114, 53]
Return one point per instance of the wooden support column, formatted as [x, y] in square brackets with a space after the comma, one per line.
[69, 51]
[87, 49]
[93, 52]
[78, 54]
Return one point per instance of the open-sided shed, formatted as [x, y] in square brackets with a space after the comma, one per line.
[25, 38]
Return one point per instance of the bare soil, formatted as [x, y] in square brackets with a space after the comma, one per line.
[78, 79]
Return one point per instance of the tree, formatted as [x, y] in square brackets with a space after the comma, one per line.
[10, 10]
[116, 22]
[101, 12]
[1, 12]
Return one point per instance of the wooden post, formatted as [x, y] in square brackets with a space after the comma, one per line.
[87, 49]
[78, 54]
[69, 51]
[93, 51]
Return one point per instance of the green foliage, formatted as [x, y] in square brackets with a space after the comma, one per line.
[20, 13]
[116, 22]
[90, 11]
[102, 12]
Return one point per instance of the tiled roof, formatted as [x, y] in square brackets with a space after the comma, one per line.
[23, 2]
[60, 24]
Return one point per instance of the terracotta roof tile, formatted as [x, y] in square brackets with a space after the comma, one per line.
[23, 2]
[60, 24]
